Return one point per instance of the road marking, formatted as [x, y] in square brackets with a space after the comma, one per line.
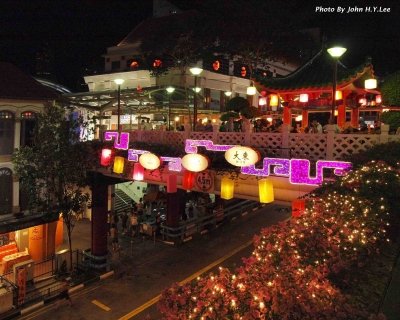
[188, 279]
[101, 305]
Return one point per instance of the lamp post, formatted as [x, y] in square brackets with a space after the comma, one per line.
[170, 90]
[336, 53]
[118, 82]
[195, 71]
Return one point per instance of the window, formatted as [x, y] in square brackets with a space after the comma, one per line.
[115, 65]
[6, 133]
[28, 124]
[6, 185]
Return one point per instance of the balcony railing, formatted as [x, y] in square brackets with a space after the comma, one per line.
[329, 145]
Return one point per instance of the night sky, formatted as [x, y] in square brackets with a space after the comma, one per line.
[77, 33]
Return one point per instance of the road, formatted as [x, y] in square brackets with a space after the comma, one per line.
[144, 269]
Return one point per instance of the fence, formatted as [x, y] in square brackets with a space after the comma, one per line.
[329, 146]
[186, 230]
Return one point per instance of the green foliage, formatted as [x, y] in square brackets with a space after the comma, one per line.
[53, 171]
[391, 89]
[237, 104]
[231, 114]
[250, 112]
[386, 152]
[392, 118]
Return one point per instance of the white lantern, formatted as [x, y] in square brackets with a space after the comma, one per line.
[195, 162]
[370, 84]
[241, 156]
[149, 161]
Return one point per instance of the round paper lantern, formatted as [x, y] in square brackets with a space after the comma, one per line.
[262, 101]
[241, 156]
[195, 162]
[138, 172]
[378, 99]
[105, 159]
[149, 161]
[119, 165]
[265, 191]
[188, 180]
[227, 188]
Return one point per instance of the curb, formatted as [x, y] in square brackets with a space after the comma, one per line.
[46, 301]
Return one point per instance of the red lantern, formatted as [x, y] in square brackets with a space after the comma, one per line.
[138, 172]
[243, 71]
[298, 207]
[171, 183]
[188, 180]
[105, 157]
[216, 65]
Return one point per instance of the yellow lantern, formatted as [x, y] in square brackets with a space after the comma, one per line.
[227, 188]
[273, 100]
[265, 190]
[119, 165]
[338, 95]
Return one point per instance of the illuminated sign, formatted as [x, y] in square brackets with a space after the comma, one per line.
[297, 170]
[241, 156]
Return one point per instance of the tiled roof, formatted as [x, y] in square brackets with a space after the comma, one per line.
[317, 74]
[159, 25]
[15, 84]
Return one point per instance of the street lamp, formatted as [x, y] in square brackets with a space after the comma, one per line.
[170, 90]
[336, 53]
[195, 71]
[118, 82]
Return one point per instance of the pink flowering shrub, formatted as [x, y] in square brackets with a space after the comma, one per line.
[297, 267]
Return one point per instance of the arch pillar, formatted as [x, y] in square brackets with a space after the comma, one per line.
[287, 116]
[341, 119]
[99, 219]
[355, 116]
[304, 121]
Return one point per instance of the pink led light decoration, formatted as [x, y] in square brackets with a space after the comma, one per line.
[133, 154]
[300, 171]
[123, 143]
[191, 146]
[282, 168]
[174, 163]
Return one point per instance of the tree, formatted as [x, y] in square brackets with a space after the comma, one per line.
[237, 104]
[391, 89]
[53, 171]
[392, 118]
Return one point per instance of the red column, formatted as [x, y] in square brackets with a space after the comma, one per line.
[355, 116]
[304, 121]
[173, 209]
[341, 119]
[287, 116]
[99, 219]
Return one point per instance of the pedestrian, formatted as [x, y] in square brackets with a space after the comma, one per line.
[64, 294]
[114, 237]
[109, 218]
[124, 221]
[134, 223]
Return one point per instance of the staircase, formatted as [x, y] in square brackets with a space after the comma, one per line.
[122, 201]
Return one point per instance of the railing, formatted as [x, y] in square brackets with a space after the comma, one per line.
[329, 146]
[189, 228]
